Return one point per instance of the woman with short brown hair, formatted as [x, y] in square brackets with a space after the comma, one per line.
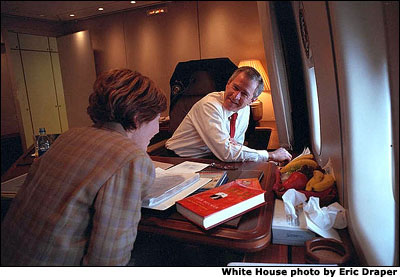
[81, 201]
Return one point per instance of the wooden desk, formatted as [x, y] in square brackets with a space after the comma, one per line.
[188, 245]
[20, 166]
[252, 234]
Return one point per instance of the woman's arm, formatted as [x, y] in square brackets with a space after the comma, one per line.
[117, 213]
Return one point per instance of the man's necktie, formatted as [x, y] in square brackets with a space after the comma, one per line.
[233, 121]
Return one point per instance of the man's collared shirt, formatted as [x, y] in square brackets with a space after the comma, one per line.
[206, 128]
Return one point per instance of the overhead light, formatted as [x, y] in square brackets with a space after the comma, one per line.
[156, 11]
[133, 2]
[72, 15]
[101, 9]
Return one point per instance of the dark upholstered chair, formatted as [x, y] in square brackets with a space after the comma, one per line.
[192, 80]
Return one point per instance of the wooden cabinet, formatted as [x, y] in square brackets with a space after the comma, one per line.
[53, 44]
[39, 87]
[13, 40]
[32, 42]
[21, 96]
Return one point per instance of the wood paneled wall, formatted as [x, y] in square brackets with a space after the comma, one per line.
[153, 45]
[190, 30]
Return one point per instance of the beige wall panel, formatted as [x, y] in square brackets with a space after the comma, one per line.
[78, 75]
[155, 44]
[231, 29]
[107, 38]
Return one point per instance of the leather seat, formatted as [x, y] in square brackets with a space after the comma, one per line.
[194, 79]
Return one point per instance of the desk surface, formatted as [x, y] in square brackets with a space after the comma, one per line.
[252, 237]
[253, 232]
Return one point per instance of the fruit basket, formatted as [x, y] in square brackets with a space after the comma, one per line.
[326, 196]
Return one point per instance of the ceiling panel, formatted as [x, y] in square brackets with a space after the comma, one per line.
[61, 10]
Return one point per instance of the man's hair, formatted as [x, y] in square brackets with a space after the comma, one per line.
[126, 97]
[252, 74]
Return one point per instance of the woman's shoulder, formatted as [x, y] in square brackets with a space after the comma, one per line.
[104, 140]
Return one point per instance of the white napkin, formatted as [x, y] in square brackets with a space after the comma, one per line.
[319, 220]
[292, 199]
[323, 220]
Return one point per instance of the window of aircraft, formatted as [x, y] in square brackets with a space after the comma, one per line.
[314, 116]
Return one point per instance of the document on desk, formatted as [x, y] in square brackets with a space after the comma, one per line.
[162, 165]
[188, 167]
[10, 187]
[174, 184]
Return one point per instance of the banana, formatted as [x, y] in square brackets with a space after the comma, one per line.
[308, 156]
[296, 164]
[317, 177]
[326, 183]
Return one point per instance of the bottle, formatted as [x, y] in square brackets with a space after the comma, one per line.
[43, 142]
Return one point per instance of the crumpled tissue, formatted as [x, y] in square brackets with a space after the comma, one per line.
[319, 220]
[292, 201]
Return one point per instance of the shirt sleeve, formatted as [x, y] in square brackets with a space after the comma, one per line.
[116, 214]
[210, 124]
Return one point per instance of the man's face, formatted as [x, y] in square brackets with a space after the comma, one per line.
[239, 93]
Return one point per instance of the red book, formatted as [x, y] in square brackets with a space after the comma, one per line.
[215, 206]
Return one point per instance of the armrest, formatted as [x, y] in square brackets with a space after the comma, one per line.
[156, 147]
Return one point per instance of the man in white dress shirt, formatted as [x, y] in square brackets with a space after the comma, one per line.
[206, 128]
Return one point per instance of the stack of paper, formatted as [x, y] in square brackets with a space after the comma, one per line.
[173, 184]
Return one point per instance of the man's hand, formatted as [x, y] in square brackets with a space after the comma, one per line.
[280, 155]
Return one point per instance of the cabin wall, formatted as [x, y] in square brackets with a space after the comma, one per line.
[190, 30]
[358, 31]
[153, 45]
[356, 82]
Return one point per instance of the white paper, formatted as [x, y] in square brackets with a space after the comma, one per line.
[12, 186]
[167, 184]
[188, 167]
[171, 182]
[171, 201]
[306, 151]
[329, 168]
[162, 165]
